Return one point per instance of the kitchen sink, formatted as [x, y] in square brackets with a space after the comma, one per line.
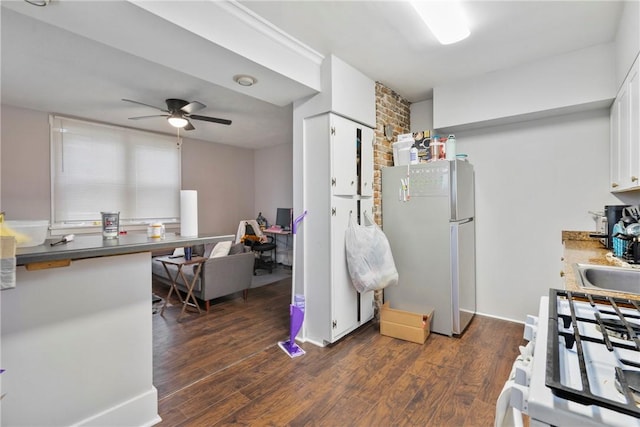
[609, 278]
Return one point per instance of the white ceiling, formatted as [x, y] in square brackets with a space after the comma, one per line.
[80, 58]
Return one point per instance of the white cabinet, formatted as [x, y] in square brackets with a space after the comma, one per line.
[634, 124]
[352, 157]
[338, 165]
[344, 298]
[625, 134]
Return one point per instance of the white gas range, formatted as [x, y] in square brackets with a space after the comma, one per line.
[573, 374]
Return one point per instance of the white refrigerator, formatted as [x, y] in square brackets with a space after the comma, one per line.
[428, 215]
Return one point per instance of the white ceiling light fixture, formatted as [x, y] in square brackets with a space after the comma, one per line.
[445, 19]
[177, 121]
[244, 80]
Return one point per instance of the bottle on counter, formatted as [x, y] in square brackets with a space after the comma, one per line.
[413, 156]
[451, 147]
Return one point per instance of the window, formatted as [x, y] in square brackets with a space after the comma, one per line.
[97, 167]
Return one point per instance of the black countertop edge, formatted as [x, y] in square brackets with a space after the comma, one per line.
[83, 247]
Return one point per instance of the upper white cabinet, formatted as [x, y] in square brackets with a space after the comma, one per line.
[348, 92]
[352, 158]
[625, 134]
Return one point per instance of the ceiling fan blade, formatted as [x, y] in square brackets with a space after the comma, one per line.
[146, 105]
[147, 117]
[189, 126]
[192, 107]
[210, 119]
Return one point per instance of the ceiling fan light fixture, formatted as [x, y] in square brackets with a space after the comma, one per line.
[245, 80]
[445, 19]
[177, 121]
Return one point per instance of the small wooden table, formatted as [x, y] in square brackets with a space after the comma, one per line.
[180, 262]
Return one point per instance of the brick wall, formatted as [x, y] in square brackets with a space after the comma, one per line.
[391, 109]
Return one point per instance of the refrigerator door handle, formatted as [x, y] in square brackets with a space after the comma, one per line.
[465, 221]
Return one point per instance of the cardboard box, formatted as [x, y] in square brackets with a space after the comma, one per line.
[405, 325]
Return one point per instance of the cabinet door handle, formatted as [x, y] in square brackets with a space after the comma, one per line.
[614, 184]
[562, 274]
[634, 179]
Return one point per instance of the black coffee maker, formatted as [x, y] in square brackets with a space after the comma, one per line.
[634, 252]
[613, 214]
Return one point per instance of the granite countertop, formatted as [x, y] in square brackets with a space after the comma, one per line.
[94, 246]
[580, 248]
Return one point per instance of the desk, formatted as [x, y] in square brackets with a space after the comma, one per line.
[180, 263]
[275, 232]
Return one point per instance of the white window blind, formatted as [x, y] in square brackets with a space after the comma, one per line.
[97, 167]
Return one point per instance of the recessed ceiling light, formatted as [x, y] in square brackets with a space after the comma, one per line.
[445, 19]
[244, 80]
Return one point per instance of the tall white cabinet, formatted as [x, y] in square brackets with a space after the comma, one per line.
[333, 140]
[338, 165]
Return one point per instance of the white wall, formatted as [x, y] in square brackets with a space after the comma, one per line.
[25, 164]
[421, 115]
[223, 176]
[578, 78]
[533, 180]
[273, 180]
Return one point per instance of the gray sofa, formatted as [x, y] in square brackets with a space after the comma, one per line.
[219, 276]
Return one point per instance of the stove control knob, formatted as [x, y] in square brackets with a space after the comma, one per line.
[519, 398]
[522, 373]
[530, 328]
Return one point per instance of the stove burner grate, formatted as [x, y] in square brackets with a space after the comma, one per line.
[584, 394]
[618, 329]
[630, 381]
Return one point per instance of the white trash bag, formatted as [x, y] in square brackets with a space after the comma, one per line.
[369, 257]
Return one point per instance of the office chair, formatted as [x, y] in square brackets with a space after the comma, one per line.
[250, 235]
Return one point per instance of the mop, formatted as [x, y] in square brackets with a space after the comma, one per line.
[296, 314]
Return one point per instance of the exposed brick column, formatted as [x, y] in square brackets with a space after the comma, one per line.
[391, 109]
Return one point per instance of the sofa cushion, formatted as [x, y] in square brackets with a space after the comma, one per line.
[237, 248]
[178, 252]
[220, 249]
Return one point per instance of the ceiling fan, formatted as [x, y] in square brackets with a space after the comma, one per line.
[178, 113]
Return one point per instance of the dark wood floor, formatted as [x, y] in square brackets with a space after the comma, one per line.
[225, 368]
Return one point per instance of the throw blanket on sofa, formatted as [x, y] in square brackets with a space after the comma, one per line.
[242, 231]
